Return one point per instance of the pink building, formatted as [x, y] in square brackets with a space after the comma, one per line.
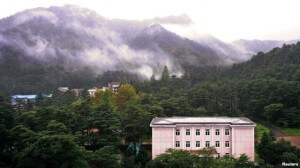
[229, 135]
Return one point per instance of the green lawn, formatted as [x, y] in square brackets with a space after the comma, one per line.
[291, 131]
[260, 129]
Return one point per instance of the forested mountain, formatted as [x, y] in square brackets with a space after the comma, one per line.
[280, 63]
[44, 48]
[264, 88]
[98, 131]
[254, 46]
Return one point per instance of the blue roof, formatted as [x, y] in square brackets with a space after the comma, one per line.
[24, 96]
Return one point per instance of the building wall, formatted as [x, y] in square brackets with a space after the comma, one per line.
[241, 139]
[162, 139]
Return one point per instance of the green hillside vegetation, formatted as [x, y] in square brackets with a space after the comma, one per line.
[89, 132]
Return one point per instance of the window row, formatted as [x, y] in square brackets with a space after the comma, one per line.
[197, 132]
[207, 144]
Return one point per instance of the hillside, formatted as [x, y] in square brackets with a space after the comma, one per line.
[44, 48]
[279, 63]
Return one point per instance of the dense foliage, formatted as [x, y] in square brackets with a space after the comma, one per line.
[183, 159]
[106, 130]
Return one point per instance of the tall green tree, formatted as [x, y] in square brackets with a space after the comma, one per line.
[165, 76]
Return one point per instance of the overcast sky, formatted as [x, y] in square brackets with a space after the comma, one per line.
[225, 19]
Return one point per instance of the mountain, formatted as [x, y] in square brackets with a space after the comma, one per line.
[279, 63]
[252, 47]
[82, 37]
[43, 48]
[70, 45]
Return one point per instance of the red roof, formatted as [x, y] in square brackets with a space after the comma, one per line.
[115, 83]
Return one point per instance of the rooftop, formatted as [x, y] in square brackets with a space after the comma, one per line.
[114, 83]
[201, 120]
[24, 96]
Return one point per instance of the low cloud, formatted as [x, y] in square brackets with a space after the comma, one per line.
[183, 20]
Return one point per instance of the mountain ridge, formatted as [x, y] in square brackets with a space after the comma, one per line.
[70, 42]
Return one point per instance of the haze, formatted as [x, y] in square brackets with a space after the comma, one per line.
[227, 20]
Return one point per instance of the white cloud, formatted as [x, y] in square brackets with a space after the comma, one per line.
[227, 20]
[33, 14]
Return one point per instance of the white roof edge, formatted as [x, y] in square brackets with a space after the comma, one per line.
[233, 121]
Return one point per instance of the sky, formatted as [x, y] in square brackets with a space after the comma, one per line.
[227, 20]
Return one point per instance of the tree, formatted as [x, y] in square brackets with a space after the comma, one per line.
[56, 128]
[273, 111]
[165, 76]
[135, 122]
[243, 162]
[152, 79]
[7, 121]
[105, 124]
[53, 151]
[173, 159]
[97, 98]
[275, 153]
[106, 157]
[126, 93]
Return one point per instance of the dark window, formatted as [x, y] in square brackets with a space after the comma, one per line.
[197, 144]
[226, 131]
[217, 131]
[197, 131]
[187, 132]
[177, 144]
[207, 144]
[207, 132]
[187, 144]
[177, 132]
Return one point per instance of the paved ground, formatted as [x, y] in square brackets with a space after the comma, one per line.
[277, 132]
[295, 140]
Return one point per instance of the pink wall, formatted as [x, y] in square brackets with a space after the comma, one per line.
[241, 139]
[162, 139]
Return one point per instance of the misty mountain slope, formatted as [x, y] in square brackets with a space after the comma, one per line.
[81, 35]
[43, 48]
[279, 63]
[252, 47]
[183, 50]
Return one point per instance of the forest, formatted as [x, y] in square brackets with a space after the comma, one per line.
[105, 130]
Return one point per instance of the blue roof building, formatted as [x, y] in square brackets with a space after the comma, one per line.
[24, 96]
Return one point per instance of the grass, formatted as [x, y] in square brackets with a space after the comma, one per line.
[260, 129]
[291, 131]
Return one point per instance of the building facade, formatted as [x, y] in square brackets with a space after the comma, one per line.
[230, 136]
[114, 86]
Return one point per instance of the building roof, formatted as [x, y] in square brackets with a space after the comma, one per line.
[29, 96]
[114, 83]
[201, 120]
[24, 96]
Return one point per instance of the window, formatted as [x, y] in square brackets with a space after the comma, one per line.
[197, 131]
[197, 144]
[187, 144]
[226, 131]
[218, 155]
[207, 144]
[177, 144]
[207, 132]
[187, 132]
[227, 154]
[217, 144]
[227, 144]
[217, 131]
[177, 132]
